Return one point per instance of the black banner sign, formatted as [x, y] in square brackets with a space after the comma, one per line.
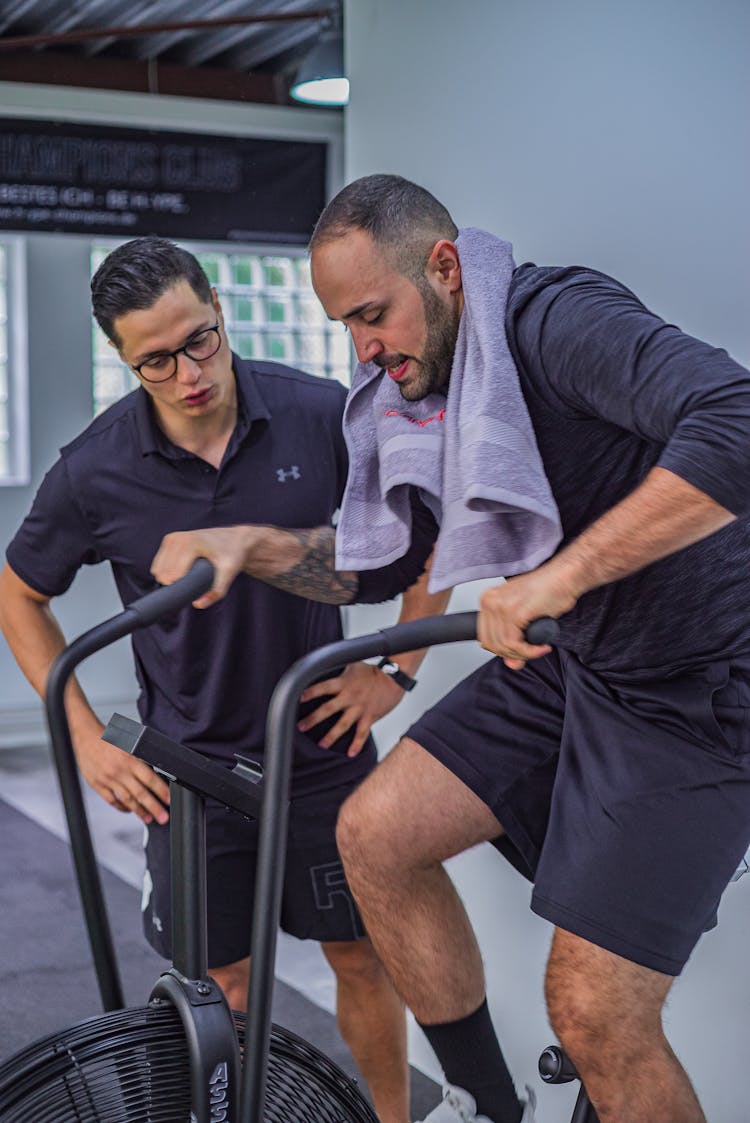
[126, 182]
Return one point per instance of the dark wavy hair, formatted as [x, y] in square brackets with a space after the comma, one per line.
[134, 275]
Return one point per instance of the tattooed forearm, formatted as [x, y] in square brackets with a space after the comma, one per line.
[314, 575]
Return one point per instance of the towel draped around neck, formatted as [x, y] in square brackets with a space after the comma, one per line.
[472, 454]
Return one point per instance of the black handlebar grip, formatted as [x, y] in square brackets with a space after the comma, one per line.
[171, 598]
[543, 630]
[555, 1067]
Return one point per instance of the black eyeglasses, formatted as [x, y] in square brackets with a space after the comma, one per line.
[160, 367]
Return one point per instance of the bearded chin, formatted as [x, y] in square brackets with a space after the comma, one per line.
[432, 379]
[415, 395]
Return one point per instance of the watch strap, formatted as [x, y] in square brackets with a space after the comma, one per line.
[388, 667]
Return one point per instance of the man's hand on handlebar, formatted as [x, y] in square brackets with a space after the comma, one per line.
[225, 547]
[506, 610]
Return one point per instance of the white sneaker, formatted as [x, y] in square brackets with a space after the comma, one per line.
[459, 1107]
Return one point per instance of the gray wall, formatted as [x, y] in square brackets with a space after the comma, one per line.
[60, 361]
[610, 133]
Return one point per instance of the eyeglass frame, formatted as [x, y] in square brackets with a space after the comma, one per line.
[180, 351]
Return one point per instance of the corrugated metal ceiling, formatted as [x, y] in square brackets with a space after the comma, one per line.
[232, 48]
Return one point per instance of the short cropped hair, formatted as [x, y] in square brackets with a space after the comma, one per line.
[134, 275]
[400, 217]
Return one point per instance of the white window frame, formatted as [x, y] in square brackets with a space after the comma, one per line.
[17, 443]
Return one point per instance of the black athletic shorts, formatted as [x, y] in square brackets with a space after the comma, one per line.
[316, 905]
[625, 800]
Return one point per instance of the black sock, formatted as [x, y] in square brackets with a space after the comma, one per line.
[471, 1058]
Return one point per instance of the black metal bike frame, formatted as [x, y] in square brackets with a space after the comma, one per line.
[190, 939]
[207, 1021]
[431, 631]
[137, 615]
[277, 758]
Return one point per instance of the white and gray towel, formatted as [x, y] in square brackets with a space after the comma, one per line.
[473, 455]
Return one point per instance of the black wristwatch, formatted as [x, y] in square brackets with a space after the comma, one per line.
[388, 667]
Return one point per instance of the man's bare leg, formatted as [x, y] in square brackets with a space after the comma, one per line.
[233, 980]
[372, 1022]
[607, 1013]
[394, 832]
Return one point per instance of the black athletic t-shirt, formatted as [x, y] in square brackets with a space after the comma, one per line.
[612, 390]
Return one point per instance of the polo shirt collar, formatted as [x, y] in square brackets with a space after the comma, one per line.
[251, 406]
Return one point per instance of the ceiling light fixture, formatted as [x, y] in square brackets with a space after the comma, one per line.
[320, 78]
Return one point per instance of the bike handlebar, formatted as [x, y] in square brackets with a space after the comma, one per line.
[543, 631]
[169, 598]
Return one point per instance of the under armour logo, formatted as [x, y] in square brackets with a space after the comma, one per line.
[284, 474]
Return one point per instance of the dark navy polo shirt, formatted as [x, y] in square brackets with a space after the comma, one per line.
[206, 676]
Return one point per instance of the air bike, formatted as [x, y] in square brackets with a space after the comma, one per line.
[185, 1057]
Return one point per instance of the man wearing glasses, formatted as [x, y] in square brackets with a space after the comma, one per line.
[211, 440]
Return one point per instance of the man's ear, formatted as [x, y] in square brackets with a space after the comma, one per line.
[217, 305]
[444, 267]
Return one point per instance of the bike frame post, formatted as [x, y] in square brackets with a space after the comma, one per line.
[137, 615]
[280, 726]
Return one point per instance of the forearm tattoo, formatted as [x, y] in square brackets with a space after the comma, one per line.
[315, 575]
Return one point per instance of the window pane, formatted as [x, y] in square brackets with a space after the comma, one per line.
[341, 349]
[278, 311]
[247, 270]
[248, 346]
[280, 347]
[311, 350]
[211, 267]
[112, 382]
[247, 308]
[309, 311]
[279, 272]
[302, 270]
[102, 351]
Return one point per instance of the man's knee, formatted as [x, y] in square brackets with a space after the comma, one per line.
[600, 1005]
[367, 831]
[578, 1015]
[353, 837]
[352, 826]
